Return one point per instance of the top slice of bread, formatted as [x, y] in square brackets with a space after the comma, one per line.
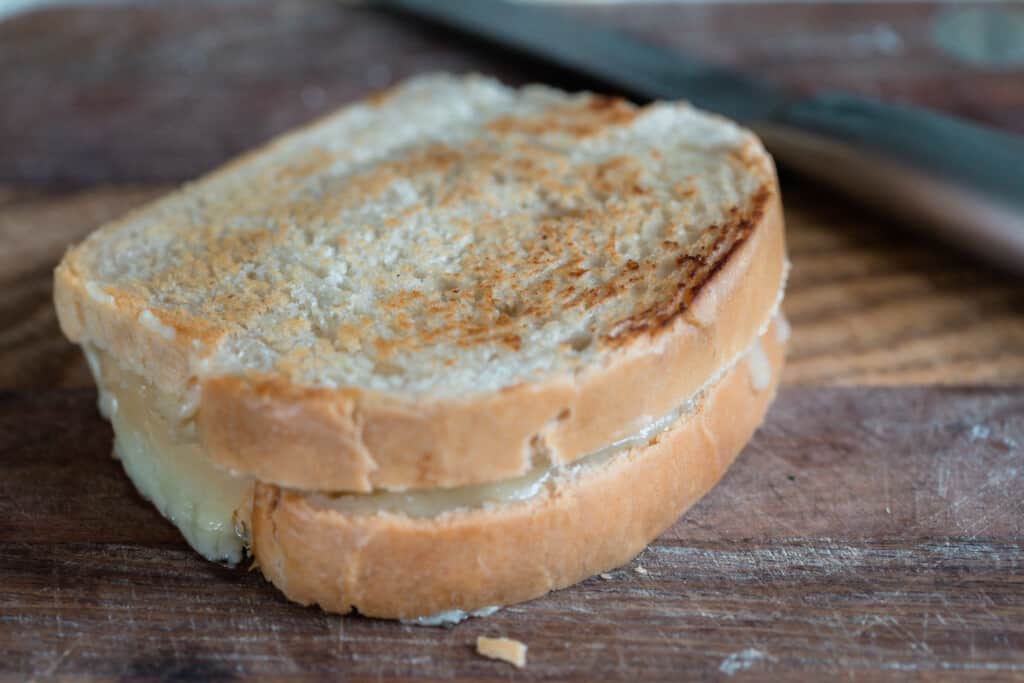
[441, 284]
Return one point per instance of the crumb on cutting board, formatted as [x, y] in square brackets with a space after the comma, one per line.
[640, 569]
[505, 649]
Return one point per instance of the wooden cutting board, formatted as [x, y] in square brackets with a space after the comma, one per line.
[865, 533]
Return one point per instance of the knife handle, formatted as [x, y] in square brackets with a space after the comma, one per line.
[962, 182]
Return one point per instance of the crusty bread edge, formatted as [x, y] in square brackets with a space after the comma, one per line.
[112, 323]
[393, 566]
[349, 439]
[110, 320]
[358, 441]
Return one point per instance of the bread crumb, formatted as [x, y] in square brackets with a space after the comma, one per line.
[640, 569]
[505, 649]
[606, 577]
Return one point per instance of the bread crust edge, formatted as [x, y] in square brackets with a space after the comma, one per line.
[349, 439]
[393, 566]
[352, 440]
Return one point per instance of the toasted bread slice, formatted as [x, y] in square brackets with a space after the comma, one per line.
[397, 561]
[445, 285]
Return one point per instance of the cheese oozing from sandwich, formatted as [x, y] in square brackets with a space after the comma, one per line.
[156, 441]
[165, 461]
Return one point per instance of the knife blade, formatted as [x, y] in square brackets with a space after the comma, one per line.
[957, 180]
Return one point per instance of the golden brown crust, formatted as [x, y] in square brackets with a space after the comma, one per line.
[352, 440]
[716, 295]
[487, 302]
[358, 441]
[394, 566]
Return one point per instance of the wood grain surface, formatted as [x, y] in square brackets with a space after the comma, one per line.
[866, 532]
[163, 92]
[863, 532]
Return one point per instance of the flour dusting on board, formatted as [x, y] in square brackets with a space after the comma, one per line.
[741, 661]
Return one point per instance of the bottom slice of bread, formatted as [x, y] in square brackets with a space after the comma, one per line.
[587, 519]
[439, 555]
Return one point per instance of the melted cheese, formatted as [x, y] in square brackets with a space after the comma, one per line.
[759, 367]
[167, 465]
[436, 502]
[450, 617]
[156, 441]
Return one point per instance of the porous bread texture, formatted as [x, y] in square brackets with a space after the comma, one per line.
[397, 566]
[353, 306]
[455, 237]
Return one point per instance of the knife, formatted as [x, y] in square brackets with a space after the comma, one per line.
[956, 180]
